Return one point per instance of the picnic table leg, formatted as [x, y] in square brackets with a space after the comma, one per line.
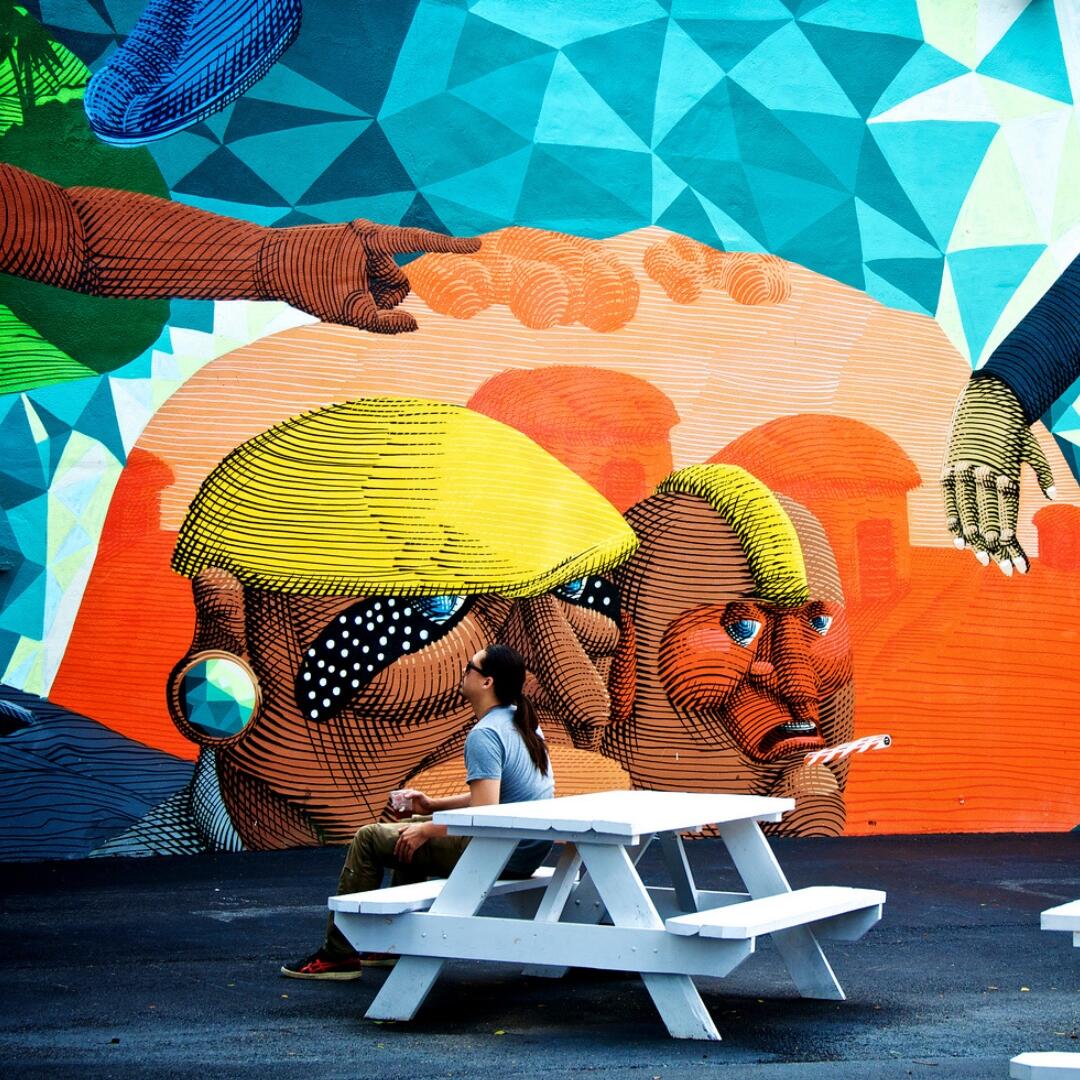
[675, 996]
[679, 868]
[757, 865]
[585, 906]
[554, 899]
[412, 978]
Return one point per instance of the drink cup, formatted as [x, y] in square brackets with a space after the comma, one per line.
[401, 801]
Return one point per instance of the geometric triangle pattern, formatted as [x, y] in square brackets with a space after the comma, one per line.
[928, 159]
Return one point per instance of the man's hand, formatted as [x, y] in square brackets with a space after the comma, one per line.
[410, 840]
[980, 481]
[346, 273]
[419, 803]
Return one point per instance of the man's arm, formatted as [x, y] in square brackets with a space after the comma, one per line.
[108, 242]
[414, 837]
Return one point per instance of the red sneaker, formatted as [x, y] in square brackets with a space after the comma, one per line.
[318, 966]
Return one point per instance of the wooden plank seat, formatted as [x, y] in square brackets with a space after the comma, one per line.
[819, 904]
[1064, 917]
[420, 895]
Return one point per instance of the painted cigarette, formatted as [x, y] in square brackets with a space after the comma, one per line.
[843, 750]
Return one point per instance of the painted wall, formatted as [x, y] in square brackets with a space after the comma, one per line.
[693, 424]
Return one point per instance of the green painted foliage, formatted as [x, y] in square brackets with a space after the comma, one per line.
[44, 130]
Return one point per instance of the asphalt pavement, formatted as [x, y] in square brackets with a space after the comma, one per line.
[169, 967]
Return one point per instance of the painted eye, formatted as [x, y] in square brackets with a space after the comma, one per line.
[821, 623]
[594, 593]
[744, 631]
[439, 609]
[572, 590]
[366, 639]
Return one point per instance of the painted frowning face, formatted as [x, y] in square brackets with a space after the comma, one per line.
[728, 684]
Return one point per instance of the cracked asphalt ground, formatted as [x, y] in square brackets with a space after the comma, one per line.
[169, 967]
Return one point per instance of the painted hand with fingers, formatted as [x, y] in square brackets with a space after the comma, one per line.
[980, 481]
[346, 273]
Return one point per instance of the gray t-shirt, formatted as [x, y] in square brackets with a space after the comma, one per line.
[494, 750]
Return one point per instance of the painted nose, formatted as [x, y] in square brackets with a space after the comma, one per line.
[793, 675]
[570, 683]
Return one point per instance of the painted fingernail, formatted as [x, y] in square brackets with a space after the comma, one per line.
[958, 543]
[1006, 567]
[1051, 492]
[983, 557]
[1021, 565]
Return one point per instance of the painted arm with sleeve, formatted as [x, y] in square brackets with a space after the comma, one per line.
[108, 242]
[991, 435]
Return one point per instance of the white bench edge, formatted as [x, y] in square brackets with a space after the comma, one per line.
[769, 914]
[420, 895]
[1045, 1065]
[1063, 917]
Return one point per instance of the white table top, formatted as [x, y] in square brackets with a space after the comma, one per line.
[616, 813]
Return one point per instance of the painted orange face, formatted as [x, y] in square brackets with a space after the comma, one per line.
[757, 672]
[729, 691]
[350, 695]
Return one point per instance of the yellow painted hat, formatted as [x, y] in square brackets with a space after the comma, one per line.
[767, 534]
[401, 496]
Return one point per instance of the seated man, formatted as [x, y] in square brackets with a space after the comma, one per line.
[506, 760]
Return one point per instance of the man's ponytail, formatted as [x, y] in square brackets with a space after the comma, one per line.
[506, 669]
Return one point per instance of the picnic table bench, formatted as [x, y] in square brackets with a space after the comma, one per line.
[665, 933]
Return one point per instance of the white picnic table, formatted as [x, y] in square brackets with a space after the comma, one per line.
[666, 933]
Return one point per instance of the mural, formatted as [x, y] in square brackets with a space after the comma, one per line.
[679, 349]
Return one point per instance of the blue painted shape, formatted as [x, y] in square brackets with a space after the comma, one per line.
[764, 141]
[984, 280]
[23, 610]
[934, 162]
[283, 85]
[918, 279]
[725, 185]
[260, 215]
[367, 167]
[291, 161]
[886, 293]
[491, 191]
[830, 246]
[426, 58]
[882, 58]
[624, 68]
[512, 95]
[688, 216]
[59, 435]
[98, 421]
[192, 314]
[789, 205]
[928, 67]
[184, 152]
[1029, 55]
[224, 177]
[419, 136]
[23, 473]
[878, 186]
[729, 40]
[350, 50]
[251, 117]
[705, 134]
[388, 209]
[484, 48]
[835, 141]
[555, 196]
[624, 174]
[687, 75]
[560, 24]
[897, 17]
[744, 9]
[421, 215]
[466, 220]
[574, 113]
[785, 72]
[883, 238]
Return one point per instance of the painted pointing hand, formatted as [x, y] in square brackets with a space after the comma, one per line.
[346, 273]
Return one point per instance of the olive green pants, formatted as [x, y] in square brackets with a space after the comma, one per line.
[371, 852]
